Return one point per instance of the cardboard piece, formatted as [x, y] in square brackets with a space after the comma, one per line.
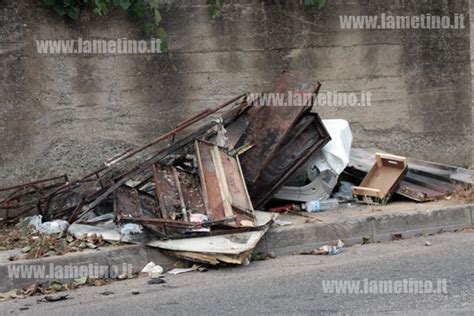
[382, 180]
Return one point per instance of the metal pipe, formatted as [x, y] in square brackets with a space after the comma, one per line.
[180, 127]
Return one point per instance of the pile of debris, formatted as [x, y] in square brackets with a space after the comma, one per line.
[208, 181]
[204, 183]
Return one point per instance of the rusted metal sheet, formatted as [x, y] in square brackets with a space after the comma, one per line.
[269, 124]
[419, 193]
[166, 190]
[424, 189]
[177, 192]
[223, 187]
[191, 193]
[307, 137]
[126, 203]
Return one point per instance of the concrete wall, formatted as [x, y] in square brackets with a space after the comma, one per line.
[471, 14]
[68, 113]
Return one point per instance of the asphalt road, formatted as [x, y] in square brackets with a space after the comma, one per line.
[292, 285]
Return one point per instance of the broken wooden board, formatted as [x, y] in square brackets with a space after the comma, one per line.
[223, 186]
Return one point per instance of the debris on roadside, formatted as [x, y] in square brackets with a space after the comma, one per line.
[12, 294]
[213, 250]
[283, 208]
[130, 229]
[55, 298]
[464, 193]
[194, 267]
[53, 227]
[260, 256]
[335, 249]
[153, 270]
[279, 222]
[156, 281]
[80, 281]
[148, 267]
[344, 193]
[320, 205]
[197, 192]
[48, 288]
[191, 187]
[33, 221]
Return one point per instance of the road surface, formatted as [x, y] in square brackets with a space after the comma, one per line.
[293, 285]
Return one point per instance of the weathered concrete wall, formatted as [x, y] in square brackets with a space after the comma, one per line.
[471, 14]
[68, 113]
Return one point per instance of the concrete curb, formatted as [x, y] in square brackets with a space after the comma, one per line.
[281, 240]
[290, 239]
[116, 259]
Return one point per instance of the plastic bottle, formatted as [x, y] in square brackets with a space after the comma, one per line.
[322, 205]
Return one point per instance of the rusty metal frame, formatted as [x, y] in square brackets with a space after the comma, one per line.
[308, 136]
[268, 125]
[225, 193]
